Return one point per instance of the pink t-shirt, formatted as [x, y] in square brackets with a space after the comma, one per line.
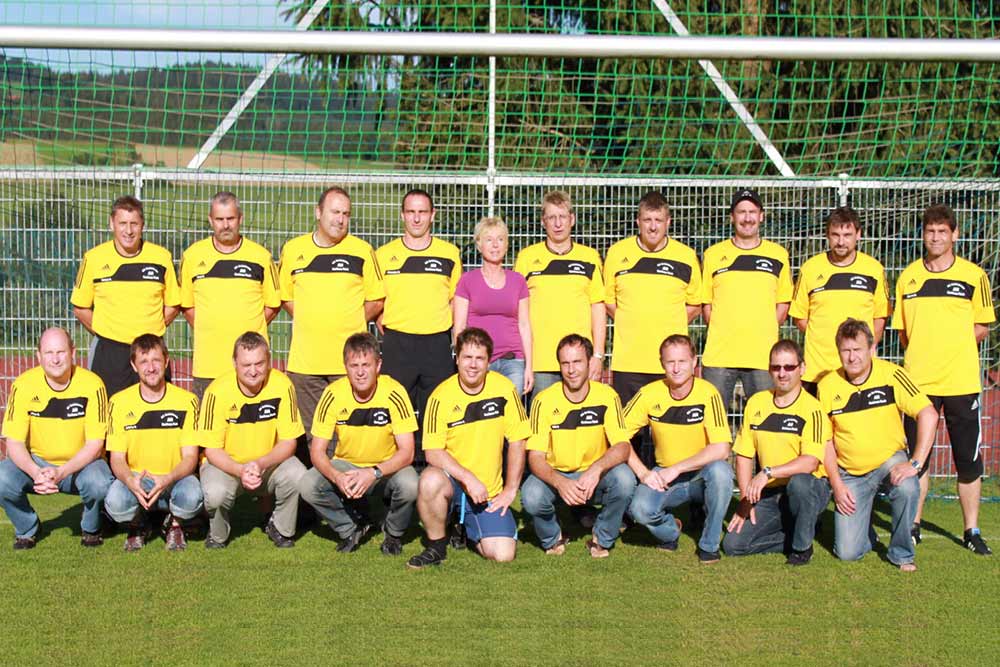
[495, 310]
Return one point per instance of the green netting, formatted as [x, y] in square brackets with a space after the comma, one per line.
[554, 115]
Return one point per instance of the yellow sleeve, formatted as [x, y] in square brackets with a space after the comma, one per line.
[597, 281]
[635, 414]
[372, 276]
[881, 305]
[706, 281]
[189, 432]
[909, 397]
[212, 421]
[171, 290]
[115, 441]
[610, 295]
[96, 420]
[519, 263]
[456, 273]
[401, 412]
[289, 422]
[785, 280]
[187, 284]
[815, 434]
[800, 298]
[897, 316]
[324, 422]
[16, 421]
[538, 441]
[435, 424]
[982, 301]
[692, 296]
[614, 422]
[272, 297]
[516, 425]
[83, 287]
[286, 287]
[716, 421]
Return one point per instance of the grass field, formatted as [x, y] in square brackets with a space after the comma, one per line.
[254, 604]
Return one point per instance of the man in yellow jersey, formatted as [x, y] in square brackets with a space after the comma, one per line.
[652, 288]
[420, 274]
[943, 311]
[55, 424]
[577, 452]
[374, 423]
[565, 291]
[832, 286]
[125, 287]
[154, 450]
[692, 442]
[785, 431]
[228, 285]
[467, 420]
[248, 425]
[331, 285]
[747, 287]
[865, 400]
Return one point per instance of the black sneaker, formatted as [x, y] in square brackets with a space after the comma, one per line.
[351, 543]
[708, 557]
[279, 540]
[24, 543]
[457, 539]
[426, 558]
[392, 546]
[974, 543]
[211, 543]
[672, 544]
[800, 557]
[91, 540]
[915, 534]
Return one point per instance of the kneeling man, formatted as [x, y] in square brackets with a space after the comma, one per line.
[467, 419]
[864, 400]
[154, 450]
[372, 418]
[572, 425]
[691, 441]
[248, 426]
[785, 431]
[55, 425]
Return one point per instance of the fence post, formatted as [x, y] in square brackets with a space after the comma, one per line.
[491, 163]
[843, 190]
[137, 180]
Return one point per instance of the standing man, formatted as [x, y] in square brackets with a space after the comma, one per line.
[692, 442]
[421, 273]
[943, 311]
[786, 432]
[125, 287]
[55, 425]
[373, 420]
[834, 285]
[652, 290]
[468, 418]
[154, 450]
[248, 425]
[865, 400]
[571, 455]
[228, 285]
[747, 288]
[565, 291]
[331, 285]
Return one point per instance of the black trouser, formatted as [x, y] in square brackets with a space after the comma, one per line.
[628, 385]
[961, 418]
[419, 362]
[112, 362]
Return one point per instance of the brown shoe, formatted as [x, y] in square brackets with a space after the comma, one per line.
[91, 540]
[174, 534]
[596, 550]
[137, 535]
[559, 548]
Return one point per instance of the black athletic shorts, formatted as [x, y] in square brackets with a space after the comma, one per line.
[112, 362]
[961, 418]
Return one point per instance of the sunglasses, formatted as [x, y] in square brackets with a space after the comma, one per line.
[788, 368]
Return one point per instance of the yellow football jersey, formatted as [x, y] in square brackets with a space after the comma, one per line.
[775, 436]
[152, 434]
[419, 285]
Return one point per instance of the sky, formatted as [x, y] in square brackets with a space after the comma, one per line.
[188, 14]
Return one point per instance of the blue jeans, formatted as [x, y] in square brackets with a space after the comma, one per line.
[613, 493]
[724, 379]
[786, 519]
[712, 486]
[513, 370]
[544, 380]
[851, 538]
[183, 500]
[91, 483]
[344, 514]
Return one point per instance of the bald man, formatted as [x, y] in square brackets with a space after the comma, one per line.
[55, 424]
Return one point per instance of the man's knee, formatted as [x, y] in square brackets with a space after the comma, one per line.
[216, 495]
[312, 484]
[735, 544]
[287, 476]
[800, 485]
[621, 482]
[186, 498]
[499, 550]
[406, 484]
[120, 503]
[534, 495]
[718, 475]
[433, 482]
[12, 480]
[644, 506]
[94, 481]
[849, 552]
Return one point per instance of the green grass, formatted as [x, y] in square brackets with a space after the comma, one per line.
[253, 604]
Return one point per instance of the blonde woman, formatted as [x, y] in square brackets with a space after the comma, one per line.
[496, 299]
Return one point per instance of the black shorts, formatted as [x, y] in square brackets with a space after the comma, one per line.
[961, 418]
[112, 362]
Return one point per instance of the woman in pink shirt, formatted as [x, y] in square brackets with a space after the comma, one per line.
[496, 299]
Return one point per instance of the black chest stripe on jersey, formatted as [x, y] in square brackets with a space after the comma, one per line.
[252, 413]
[488, 408]
[159, 419]
[63, 408]
[753, 263]
[366, 417]
[660, 267]
[848, 281]
[581, 417]
[439, 266]
[779, 423]
[867, 399]
[683, 415]
[333, 263]
[134, 273]
[957, 289]
[565, 267]
[234, 268]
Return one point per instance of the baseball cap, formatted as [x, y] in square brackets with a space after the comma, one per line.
[746, 194]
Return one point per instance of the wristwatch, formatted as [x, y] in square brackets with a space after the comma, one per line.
[917, 465]
[767, 471]
[377, 471]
